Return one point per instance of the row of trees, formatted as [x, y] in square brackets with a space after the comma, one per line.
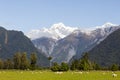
[19, 61]
[83, 64]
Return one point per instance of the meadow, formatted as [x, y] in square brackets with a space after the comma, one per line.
[48, 75]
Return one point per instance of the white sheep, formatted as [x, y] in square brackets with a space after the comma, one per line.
[21, 72]
[79, 72]
[59, 72]
[114, 75]
[87, 72]
[40, 72]
[103, 73]
[32, 72]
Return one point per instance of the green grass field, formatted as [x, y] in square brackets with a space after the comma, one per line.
[48, 75]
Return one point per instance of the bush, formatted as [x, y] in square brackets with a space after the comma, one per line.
[114, 67]
[55, 67]
[64, 67]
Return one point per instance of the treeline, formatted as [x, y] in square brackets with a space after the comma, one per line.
[19, 61]
[83, 64]
[22, 62]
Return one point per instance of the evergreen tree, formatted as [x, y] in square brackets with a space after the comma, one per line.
[55, 67]
[17, 60]
[64, 67]
[1, 64]
[114, 67]
[33, 61]
[74, 65]
[8, 64]
[50, 58]
[119, 67]
[24, 61]
[96, 66]
[85, 64]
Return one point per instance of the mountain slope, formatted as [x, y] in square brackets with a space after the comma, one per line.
[15, 41]
[45, 45]
[94, 38]
[108, 51]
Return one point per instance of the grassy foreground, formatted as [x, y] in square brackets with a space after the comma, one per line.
[48, 75]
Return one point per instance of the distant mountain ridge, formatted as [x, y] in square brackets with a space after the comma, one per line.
[107, 52]
[74, 44]
[15, 41]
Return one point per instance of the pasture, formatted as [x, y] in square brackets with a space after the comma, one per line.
[48, 75]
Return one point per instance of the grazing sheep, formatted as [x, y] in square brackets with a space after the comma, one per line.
[32, 72]
[79, 72]
[103, 73]
[40, 72]
[87, 72]
[4, 72]
[114, 75]
[59, 72]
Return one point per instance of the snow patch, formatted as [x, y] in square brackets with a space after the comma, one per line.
[71, 53]
[51, 48]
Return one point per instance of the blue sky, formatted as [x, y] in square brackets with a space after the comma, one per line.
[26, 15]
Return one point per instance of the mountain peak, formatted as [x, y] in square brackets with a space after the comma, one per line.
[3, 29]
[58, 25]
[56, 31]
[106, 25]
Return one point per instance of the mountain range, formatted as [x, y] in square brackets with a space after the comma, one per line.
[70, 43]
[64, 44]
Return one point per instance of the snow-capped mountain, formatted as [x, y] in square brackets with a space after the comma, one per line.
[101, 32]
[57, 31]
[73, 41]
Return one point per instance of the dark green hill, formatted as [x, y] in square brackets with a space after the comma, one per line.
[15, 41]
[108, 51]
